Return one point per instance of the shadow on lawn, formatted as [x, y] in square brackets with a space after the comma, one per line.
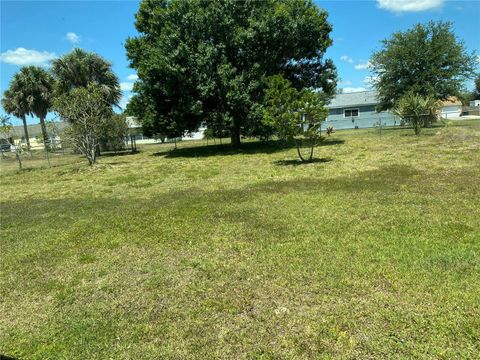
[6, 357]
[118, 153]
[248, 148]
[297, 162]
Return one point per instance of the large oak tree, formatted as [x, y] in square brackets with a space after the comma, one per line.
[203, 62]
[428, 60]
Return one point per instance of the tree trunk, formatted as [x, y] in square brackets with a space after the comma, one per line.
[19, 159]
[311, 155]
[235, 136]
[300, 153]
[46, 141]
[25, 130]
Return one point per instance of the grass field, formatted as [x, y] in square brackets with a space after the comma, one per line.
[205, 252]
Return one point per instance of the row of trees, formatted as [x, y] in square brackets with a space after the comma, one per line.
[222, 64]
[246, 68]
[82, 88]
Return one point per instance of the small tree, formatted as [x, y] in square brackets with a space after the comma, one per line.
[87, 112]
[417, 110]
[295, 115]
[5, 129]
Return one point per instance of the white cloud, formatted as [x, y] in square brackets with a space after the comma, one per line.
[478, 59]
[126, 86]
[72, 37]
[132, 77]
[363, 66]
[124, 101]
[353, 89]
[346, 58]
[346, 83]
[400, 6]
[22, 56]
[370, 80]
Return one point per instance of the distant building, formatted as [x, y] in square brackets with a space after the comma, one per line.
[35, 134]
[475, 103]
[136, 130]
[358, 110]
[452, 107]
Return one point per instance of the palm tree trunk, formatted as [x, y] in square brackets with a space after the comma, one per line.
[46, 141]
[25, 130]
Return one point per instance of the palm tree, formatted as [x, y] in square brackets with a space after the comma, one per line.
[417, 110]
[37, 84]
[80, 68]
[14, 102]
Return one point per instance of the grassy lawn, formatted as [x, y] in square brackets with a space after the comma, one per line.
[205, 252]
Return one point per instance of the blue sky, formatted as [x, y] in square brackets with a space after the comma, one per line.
[34, 32]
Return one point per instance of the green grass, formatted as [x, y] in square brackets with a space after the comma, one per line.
[206, 252]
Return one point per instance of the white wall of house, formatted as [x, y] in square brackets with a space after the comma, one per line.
[198, 135]
[451, 110]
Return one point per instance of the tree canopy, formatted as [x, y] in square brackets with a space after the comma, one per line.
[428, 60]
[202, 62]
[80, 68]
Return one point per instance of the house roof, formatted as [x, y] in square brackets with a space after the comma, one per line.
[451, 101]
[354, 99]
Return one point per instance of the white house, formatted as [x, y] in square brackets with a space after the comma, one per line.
[136, 129]
[452, 107]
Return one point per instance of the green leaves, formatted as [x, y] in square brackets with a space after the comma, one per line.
[29, 92]
[417, 110]
[295, 115]
[281, 108]
[80, 68]
[202, 62]
[88, 113]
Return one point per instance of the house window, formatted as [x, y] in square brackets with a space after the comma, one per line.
[350, 113]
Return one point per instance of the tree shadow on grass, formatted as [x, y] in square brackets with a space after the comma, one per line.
[249, 148]
[6, 357]
[297, 162]
[118, 153]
